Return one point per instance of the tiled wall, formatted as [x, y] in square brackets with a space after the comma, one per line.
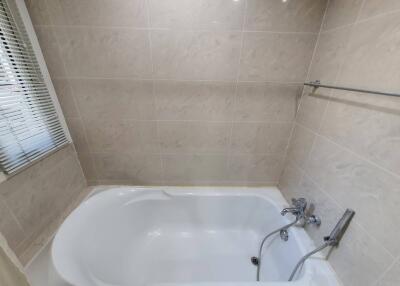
[344, 151]
[34, 202]
[191, 92]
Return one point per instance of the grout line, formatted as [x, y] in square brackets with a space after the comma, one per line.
[330, 92]
[356, 220]
[156, 105]
[175, 29]
[187, 120]
[303, 169]
[360, 21]
[77, 108]
[4, 203]
[336, 28]
[391, 266]
[302, 93]
[194, 153]
[317, 132]
[182, 80]
[236, 90]
[321, 189]
[371, 18]
[209, 183]
[28, 236]
[352, 152]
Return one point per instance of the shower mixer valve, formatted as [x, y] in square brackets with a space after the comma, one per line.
[299, 210]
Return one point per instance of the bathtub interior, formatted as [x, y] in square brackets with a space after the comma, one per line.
[147, 237]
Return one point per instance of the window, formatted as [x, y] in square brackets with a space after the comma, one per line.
[29, 123]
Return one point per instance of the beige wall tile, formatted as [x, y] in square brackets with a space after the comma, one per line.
[352, 163]
[35, 203]
[192, 169]
[193, 50]
[266, 102]
[115, 135]
[65, 97]
[114, 98]
[69, 185]
[329, 54]
[183, 100]
[289, 181]
[285, 16]
[77, 131]
[370, 58]
[98, 12]
[196, 54]
[360, 259]
[105, 52]
[37, 196]
[194, 137]
[38, 12]
[373, 8]
[321, 205]
[195, 14]
[256, 137]
[300, 146]
[31, 246]
[139, 169]
[341, 13]
[10, 227]
[252, 168]
[355, 183]
[392, 277]
[51, 51]
[87, 162]
[282, 57]
[312, 107]
[364, 127]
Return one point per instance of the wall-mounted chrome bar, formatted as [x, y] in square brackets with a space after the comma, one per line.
[317, 84]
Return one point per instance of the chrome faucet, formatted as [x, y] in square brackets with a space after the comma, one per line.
[298, 209]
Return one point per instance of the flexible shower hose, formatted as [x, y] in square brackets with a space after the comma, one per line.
[305, 257]
[265, 239]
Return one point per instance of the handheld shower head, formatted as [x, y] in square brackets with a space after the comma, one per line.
[337, 233]
[332, 240]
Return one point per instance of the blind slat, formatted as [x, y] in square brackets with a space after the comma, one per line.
[29, 123]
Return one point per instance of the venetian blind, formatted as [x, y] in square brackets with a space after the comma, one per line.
[29, 123]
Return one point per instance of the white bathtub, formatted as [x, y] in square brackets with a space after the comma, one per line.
[128, 236]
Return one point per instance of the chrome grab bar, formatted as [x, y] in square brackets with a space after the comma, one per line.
[316, 84]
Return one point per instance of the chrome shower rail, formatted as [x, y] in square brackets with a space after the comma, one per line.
[317, 84]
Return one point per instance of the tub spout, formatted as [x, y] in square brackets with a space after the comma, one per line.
[294, 211]
[298, 209]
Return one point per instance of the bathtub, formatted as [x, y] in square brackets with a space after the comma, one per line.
[134, 236]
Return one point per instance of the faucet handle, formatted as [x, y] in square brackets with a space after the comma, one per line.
[300, 203]
[313, 219]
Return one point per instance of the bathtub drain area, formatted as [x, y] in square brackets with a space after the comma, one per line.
[193, 256]
[254, 261]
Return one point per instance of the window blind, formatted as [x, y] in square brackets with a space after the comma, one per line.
[29, 123]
